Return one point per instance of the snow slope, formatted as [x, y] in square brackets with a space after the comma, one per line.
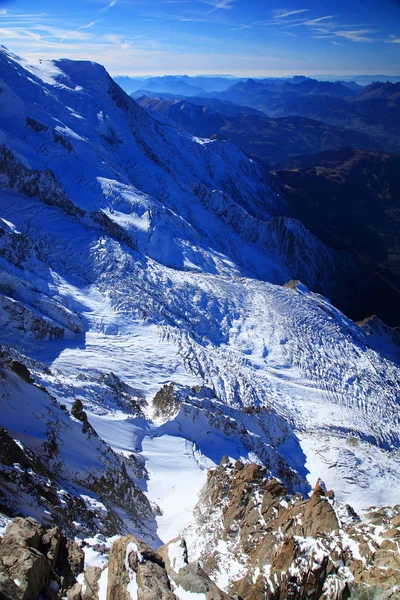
[133, 255]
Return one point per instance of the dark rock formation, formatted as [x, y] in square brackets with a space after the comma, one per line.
[33, 556]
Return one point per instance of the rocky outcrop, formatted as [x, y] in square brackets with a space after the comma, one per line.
[288, 546]
[43, 470]
[37, 561]
[189, 577]
[134, 566]
[37, 184]
[112, 228]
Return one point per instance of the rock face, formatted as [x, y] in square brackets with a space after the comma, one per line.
[135, 566]
[41, 466]
[32, 556]
[190, 577]
[278, 546]
[261, 543]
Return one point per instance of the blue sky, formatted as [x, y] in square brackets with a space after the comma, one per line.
[241, 37]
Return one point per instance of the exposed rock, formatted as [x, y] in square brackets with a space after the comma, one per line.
[35, 125]
[78, 412]
[164, 402]
[36, 184]
[92, 576]
[153, 582]
[8, 589]
[32, 556]
[112, 228]
[10, 451]
[290, 547]
[75, 592]
[191, 577]
[319, 518]
[70, 562]
[29, 567]
[133, 561]
[21, 532]
[21, 370]
[50, 545]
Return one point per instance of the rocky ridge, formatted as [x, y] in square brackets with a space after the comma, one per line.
[261, 542]
[278, 546]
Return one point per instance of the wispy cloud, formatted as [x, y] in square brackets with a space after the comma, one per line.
[109, 5]
[282, 14]
[336, 43]
[74, 31]
[89, 25]
[219, 4]
[356, 35]
[311, 22]
[240, 27]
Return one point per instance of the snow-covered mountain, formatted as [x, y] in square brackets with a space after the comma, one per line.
[140, 263]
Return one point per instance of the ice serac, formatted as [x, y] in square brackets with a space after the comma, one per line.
[135, 258]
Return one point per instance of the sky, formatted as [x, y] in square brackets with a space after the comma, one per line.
[253, 38]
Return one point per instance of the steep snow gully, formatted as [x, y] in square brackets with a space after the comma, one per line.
[133, 255]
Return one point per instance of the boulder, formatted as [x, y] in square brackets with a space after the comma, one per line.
[30, 568]
[21, 532]
[21, 558]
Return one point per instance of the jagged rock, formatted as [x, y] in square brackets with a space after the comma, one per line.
[320, 488]
[35, 125]
[70, 562]
[21, 532]
[190, 577]
[75, 593]
[193, 579]
[21, 370]
[92, 576]
[112, 228]
[32, 555]
[78, 412]
[29, 567]
[8, 589]
[36, 184]
[319, 517]
[50, 545]
[10, 452]
[153, 582]
[134, 563]
[164, 402]
[174, 555]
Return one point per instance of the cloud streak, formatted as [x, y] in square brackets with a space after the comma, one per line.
[110, 5]
[283, 14]
[219, 4]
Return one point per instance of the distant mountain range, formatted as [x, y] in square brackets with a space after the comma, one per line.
[269, 141]
[373, 111]
[175, 84]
